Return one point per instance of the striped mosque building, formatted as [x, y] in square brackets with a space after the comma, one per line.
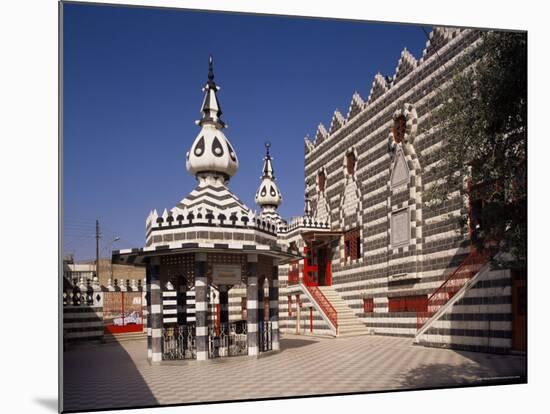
[368, 256]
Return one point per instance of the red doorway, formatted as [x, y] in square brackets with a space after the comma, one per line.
[317, 265]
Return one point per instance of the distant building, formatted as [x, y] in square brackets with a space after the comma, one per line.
[76, 272]
[109, 274]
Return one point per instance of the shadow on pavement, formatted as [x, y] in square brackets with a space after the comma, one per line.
[477, 369]
[103, 376]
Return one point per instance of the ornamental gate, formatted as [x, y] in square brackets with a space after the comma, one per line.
[265, 343]
[122, 312]
[178, 342]
[231, 341]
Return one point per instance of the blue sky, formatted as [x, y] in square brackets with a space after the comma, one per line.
[132, 80]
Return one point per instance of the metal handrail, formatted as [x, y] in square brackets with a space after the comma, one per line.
[456, 280]
[325, 305]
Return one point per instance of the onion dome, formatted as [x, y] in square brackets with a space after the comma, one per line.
[211, 152]
[268, 194]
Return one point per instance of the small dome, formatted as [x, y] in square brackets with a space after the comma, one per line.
[268, 193]
[212, 152]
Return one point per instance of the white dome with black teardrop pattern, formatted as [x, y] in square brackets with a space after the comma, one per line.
[268, 194]
[211, 152]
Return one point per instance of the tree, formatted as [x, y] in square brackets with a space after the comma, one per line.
[483, 121]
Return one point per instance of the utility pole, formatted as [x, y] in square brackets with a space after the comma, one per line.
[97, 249]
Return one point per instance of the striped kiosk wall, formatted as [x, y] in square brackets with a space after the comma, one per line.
[156, 314]
[148, 315]
[182, 304]
[252, 304]
[201, 306]
[169, 306]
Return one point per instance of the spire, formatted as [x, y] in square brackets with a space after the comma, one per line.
[268, 165]
[211, 109]
[212, 156]
[268, 196]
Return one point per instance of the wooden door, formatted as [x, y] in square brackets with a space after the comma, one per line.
[324, 267]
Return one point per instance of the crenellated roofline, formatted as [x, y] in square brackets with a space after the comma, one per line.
[406, 66]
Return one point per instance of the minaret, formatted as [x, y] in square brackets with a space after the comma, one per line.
[212, 159]
[268, 196]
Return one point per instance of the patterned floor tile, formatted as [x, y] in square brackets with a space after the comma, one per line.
[120, 376]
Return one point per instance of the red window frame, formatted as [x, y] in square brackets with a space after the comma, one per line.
[416, 303]
[368, 305]
[293, 273]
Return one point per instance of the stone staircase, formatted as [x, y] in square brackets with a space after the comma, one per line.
[348, 323]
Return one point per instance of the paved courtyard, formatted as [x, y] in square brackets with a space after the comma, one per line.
[118, 375]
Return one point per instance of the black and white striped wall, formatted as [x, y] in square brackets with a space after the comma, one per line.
[478, 319]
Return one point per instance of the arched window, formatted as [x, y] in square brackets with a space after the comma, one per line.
[321, 181]
[399, 128]
[352, 244]
[350, 163]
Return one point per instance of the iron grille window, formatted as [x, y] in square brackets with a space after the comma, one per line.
[368, 305]
[266, 309]
[352, 244]
[417, 303]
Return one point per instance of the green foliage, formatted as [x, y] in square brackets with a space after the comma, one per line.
[483, 123]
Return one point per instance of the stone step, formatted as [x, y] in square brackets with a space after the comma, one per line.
[342, 315]
[351, 327]
[122, 337]
[349, 318]
[354, 329]
[349, 334]
[350, 323]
